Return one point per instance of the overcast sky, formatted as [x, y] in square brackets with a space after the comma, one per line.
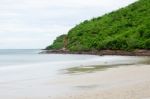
[36, 23]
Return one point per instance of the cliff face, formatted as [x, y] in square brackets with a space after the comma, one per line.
[125, 29]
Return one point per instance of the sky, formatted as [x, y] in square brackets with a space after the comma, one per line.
[34, 24]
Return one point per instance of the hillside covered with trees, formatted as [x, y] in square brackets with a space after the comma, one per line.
[125, 29]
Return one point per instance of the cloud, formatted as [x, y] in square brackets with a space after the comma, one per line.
[36, 23]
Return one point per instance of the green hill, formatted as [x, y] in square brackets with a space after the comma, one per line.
[125, 29]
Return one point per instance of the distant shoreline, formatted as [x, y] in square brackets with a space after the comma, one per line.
[101, 52]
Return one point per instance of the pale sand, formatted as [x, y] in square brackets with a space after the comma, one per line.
[127, 82]
[132, 82]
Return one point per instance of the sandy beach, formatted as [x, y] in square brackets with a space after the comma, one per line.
[118, 81]
[132, 82]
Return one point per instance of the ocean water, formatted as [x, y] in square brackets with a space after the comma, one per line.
[25, 72]
[11, 57]
[29, 58]
[29, 64]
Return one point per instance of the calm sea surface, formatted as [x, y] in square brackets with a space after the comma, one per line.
[26, 57]
[31, 56]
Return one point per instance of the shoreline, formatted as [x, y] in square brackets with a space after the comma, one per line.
[101, 53]
[131, 82]
[128, 81]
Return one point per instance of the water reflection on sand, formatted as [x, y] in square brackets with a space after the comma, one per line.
[106, 65]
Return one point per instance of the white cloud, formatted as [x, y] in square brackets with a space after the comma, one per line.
[36, 23]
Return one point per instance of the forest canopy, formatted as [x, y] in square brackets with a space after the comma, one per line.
[125, 29]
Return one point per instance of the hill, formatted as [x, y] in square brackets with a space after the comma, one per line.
[125, 29]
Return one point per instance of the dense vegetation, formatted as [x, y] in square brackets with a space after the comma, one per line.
[58, 43]
[125, 29]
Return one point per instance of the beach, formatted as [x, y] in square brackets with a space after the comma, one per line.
[81, 49]
[67, 76]
[132, 82]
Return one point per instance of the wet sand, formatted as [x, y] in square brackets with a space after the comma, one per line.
[132, 82]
